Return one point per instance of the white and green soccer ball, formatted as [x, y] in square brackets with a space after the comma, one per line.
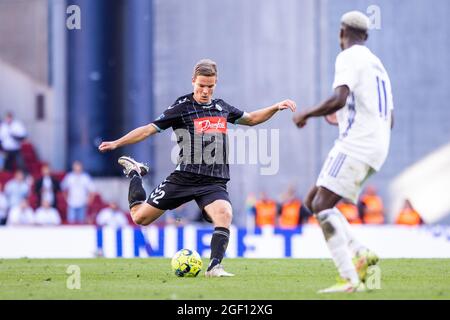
[187, 263]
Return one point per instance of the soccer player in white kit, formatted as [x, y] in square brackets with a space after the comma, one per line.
[362, 103]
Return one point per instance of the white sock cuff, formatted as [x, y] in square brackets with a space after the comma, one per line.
[337, 211]
[324, 214]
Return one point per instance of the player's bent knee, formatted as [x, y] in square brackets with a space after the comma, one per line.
[145, 214]
[134, 213]
[225, 212]
[223, 215]
[138, 218]
[309, 198]
[228, 215]
[308, 206]
[316, 206]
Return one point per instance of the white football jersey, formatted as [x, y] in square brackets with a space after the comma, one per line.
[365, 121]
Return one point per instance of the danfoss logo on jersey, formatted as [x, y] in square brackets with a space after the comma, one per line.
[210, 125]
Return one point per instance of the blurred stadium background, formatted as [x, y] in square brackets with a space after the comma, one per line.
[131, 59]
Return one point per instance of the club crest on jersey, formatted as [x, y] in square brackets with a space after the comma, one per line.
[218, 107]
[210, 125]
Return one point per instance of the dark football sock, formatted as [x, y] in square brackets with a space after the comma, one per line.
[219, 244]
[136, 193]
[133, 173]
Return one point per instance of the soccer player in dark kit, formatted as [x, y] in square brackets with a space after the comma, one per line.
[202, 171]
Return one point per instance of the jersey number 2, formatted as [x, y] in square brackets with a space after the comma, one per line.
[158, 193]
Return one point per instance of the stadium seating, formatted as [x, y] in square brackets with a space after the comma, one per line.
[95, 206]
[5, 176]
[34, 165]
[32, 162]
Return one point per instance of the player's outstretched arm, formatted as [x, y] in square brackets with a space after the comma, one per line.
[262, 115]
[133, 136]
[329, 106]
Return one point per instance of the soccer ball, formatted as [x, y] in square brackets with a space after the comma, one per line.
[187, 263]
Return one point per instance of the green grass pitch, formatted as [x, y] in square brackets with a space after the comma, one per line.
[286, 279]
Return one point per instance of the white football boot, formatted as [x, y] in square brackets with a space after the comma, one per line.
[129, 164]
[218, 271]
[344, 285]
[362, 261]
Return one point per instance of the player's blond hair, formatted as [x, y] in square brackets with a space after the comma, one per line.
[205, 67]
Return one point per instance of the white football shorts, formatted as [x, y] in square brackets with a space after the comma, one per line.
[344, 175]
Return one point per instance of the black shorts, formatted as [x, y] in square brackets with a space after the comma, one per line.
[181, 187]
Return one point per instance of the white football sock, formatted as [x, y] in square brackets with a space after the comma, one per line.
[353, 243]
[337, 242]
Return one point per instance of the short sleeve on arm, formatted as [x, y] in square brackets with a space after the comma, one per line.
[346, 71]
[234, 114]
[167, 119]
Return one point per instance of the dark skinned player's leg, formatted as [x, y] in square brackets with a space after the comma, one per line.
[309, 198]
[334, 231]
[325, 200]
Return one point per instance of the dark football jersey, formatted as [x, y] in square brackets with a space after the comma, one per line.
[201, 131]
